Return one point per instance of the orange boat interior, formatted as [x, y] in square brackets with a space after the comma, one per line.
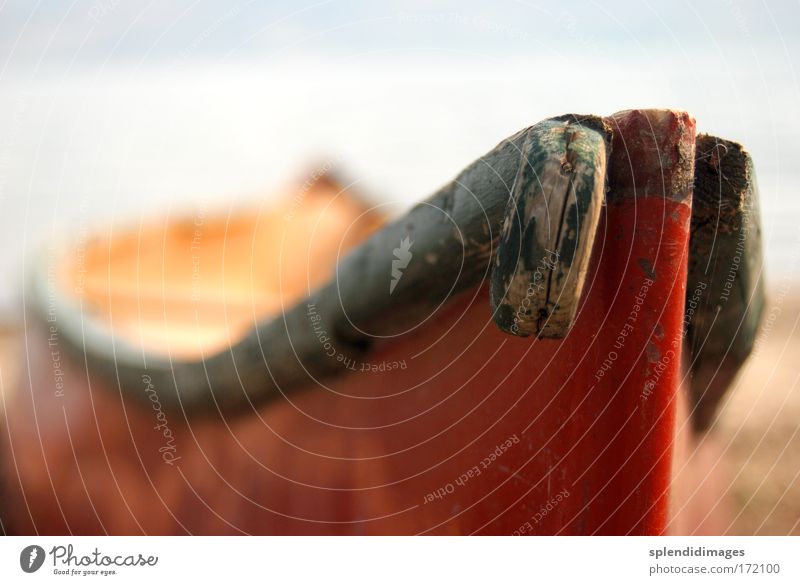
[194, 285]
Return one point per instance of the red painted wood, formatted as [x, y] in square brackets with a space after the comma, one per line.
[326, 463]
[588, 422]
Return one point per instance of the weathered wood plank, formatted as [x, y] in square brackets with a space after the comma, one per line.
[549, 228]
[449, 242]
[452, 237]
[725, 288]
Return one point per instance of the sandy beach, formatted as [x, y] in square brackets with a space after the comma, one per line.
[757, 428]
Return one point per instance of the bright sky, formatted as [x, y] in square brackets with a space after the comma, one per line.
[114, 110]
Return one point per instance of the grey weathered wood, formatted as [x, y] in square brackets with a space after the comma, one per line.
[549, 227]
[725, 290]
[443, 246]
[452, 238]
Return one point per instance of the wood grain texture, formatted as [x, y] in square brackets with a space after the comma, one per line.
[367, 453]
[452, 237]
[654, 152]
[725, 289]
[549, 227]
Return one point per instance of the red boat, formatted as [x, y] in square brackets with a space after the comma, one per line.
[509, 357]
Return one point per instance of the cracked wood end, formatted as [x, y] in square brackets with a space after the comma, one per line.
[550, 226]
[725, 288]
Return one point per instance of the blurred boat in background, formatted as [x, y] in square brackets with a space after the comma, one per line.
[299, 369]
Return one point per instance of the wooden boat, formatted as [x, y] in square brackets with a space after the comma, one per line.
[310, 368]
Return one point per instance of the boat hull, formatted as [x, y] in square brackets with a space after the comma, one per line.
[454, 429]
